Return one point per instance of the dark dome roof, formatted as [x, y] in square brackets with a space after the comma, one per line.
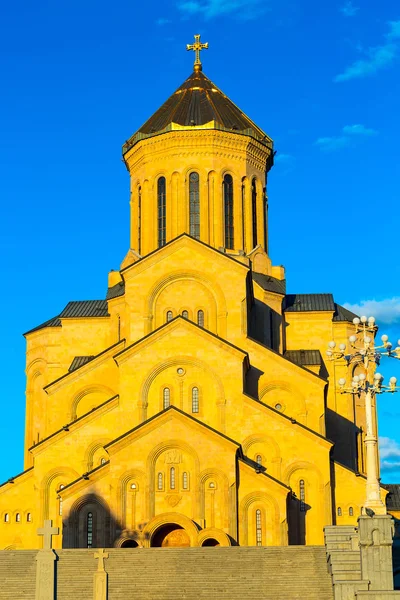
[198, 102]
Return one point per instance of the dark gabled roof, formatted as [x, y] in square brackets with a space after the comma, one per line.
[195, 103]
[54, 322]
[85, 308]
[393, 497]
[304, 357]
[270, 284]
[309, 303]
[343, 314]
[116, 290]
[79, 361]
[76, 309]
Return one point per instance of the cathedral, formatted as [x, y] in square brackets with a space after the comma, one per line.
[193, 405]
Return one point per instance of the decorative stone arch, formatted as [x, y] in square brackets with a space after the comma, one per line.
[296, 466]
[151, 463]
[102, 523]
[93, 389]
[35, 368]
[91, 451]
[213, 290]
[175, 361]
[275, 459]
[212, 533]
[170, 518]
[123, 482]
[12, 547]
[271, 386]
[220, 476]
[271, 504]
[128, 537]
[66, 472]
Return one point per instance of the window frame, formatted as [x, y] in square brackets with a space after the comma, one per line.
[161, 211]
[229, 221]
[194, 205]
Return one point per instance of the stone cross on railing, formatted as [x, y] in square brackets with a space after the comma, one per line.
[47, 532]
[101, 555]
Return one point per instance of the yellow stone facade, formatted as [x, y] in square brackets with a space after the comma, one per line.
[194, 405]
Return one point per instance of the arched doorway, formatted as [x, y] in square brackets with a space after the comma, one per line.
[129, 544]
[211, 542]
[170, 536]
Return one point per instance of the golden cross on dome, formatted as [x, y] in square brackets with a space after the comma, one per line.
[197, 47]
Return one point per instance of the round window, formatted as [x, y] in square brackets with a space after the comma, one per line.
[278, 406]
[180, 371]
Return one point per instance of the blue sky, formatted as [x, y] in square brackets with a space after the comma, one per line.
[78, 78]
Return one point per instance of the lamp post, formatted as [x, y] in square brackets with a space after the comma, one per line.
[362, 352]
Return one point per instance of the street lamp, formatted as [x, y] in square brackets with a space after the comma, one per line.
[362, 352]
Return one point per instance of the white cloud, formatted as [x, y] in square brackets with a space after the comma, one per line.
[348, 9]
[349, 132]
[358, 130]
[388, 448]
[377, 57]
[163, 21]
[332, 143]
[385, 311]
[241, 9]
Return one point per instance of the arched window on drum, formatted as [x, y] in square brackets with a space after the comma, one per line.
[194, 205]
[228, 212]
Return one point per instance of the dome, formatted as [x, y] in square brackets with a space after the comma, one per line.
[198, 103]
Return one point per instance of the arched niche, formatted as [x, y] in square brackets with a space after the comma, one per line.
[268, 449]
[214, 498]
[132, 494]
[89, 398]
[188, 288]
[180, 374]
[103, 523]
[168, 489]
[249, 522]
[51, 482]
[306, 506]
[286, 399]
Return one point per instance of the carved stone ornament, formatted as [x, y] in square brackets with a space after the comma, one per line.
[173, 499]
[173, 457]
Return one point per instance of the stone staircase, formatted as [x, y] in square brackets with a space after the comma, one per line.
[226, 573]
[17, 574]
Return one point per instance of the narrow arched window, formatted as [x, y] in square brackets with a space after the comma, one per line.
[18, 518]
[351, 511]
[29, 518]
[60, 502]
[195, 400]
[339, 512]
[302, 494]
[89, 530]
[139, 220]
[6, 518]
[259, 459]
[185, 314]
[160, 482]
[161, 211]
[103, 461]
[194, 205]
[166, 398]
[254, 210]
[258, 527]
[200, 318]
[169, 316]
[185, 481]
[228, 211]
[172, 478]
